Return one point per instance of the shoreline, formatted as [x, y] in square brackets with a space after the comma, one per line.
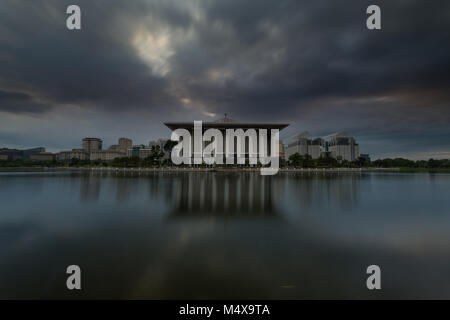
[226, 170]
[193, 169]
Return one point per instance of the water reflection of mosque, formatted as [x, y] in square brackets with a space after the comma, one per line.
[230, 194]
[226, 194]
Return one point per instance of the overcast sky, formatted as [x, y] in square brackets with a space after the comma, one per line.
[314, 64]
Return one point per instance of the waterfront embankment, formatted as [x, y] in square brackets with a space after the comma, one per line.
[195, 169]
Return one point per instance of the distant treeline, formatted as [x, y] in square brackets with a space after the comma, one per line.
[20, 163]
[295, 160]
[298, 160]
[401, 162]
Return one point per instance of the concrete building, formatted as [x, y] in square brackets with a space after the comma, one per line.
[123, 146]
[343, 148]
[227, 123]
[3, 157]
[303, 145]
[79, 154]
[105, 155]
[281, 151]
[92, 144]
[11, 154]
[134, 151]
[316, 148]
[15, 154]
[140, 151]
[43, 156]
[338, 145]
[92, 150]
[29, 152]
[145, 153]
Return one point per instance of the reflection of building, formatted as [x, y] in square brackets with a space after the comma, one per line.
[312, 191]
[246, 194]
[227, 123]
[90, 187]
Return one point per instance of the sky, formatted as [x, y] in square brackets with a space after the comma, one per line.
[313, 64]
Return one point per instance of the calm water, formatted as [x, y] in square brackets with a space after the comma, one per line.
[224, 235]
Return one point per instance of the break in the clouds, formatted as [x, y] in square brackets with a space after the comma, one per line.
[135, 64]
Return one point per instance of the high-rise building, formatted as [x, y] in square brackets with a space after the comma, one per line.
[43, 156]
[105, 155]
[92, 144]
[29, 152]
[303, 145]
[14, 154]
[11, 154]
[125, 144]
[338, 145]
[343, 148]
[122, 147]
[73, 154]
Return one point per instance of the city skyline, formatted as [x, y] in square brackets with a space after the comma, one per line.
[133, 66]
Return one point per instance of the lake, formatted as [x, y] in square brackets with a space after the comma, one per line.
[224, 235]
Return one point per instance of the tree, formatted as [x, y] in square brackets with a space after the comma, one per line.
[308, 162]
[296, 160]
[168, 146]
[362, 162]
[156, 155]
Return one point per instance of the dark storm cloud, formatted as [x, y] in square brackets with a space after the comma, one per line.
[312, 62]
[18, 102]
[324, 50]
[96, 67]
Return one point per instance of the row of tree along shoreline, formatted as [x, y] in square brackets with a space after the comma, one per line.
[295, 162]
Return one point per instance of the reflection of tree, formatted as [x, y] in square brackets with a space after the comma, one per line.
[123, 189]
[231, 194]
[225, 194]
[341, 190]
